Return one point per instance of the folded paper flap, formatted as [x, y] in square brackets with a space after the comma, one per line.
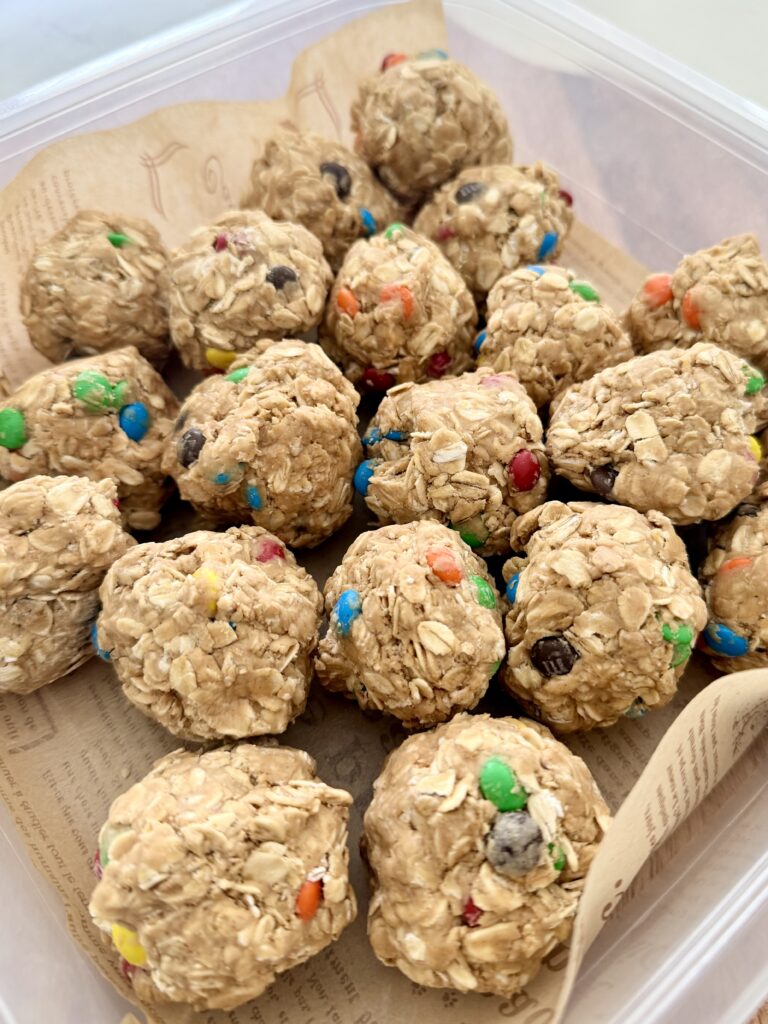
[69, 749]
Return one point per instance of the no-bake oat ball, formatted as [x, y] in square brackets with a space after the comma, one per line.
[273, 441]
[603, 613]
[415, 628]
[490, 220]
[718, 294]
[479, 837]
[466, 451]
[735, 580]
[211, 634]
[58, 536]
[98, 284]
[222, 870]
[243, 278]
[304, 178]
[106, 416]
[398, 312]
[551, 329]
[670, 431]
[421, 120]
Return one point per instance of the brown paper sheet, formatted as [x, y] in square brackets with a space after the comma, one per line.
[68, 750]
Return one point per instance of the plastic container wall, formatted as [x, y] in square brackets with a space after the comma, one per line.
[661, 162]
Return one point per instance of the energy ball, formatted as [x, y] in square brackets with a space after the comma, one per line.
[58, 536]
[220, 871]
[489, 220]
[105, 416]
[98, 284]
[479, 837]
[398, 312]
[603, 613]
[274, 441]
[320, 184]
[735, 580]
[718, 295]
[415, 630]
[551, 329]
[244, 278]
[211, 634]
[670, 431]
[421, 120]
[466, 451]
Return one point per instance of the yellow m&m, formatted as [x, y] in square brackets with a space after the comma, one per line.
[128, 946]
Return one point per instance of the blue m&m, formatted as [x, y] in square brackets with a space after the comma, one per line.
[479, 341]
[512, 587]
[368, 221]
[134, 420]
[345, 611]
[548, 245]
[723, 640]
[104, 655]
[363, 475]
[253, 497]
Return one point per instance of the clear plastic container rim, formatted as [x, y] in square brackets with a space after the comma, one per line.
[594, 44]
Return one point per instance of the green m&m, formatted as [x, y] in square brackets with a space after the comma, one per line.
[499, 784]
[97, 393]
[13, 429]
[484, 592]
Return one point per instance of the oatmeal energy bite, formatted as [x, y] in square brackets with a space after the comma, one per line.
[671, 431]
[106, 416]
[479, 837]
[211, 634]
[551, 330]
[99, 283]
[398, 312]
[735, 580]
[414, 625]
[58, 536]
[320, 184]
[220, 871]
[243, 278]
[489, 220]
[466, 451]
[603, 613]
[273, 441]
[718, 294]
[421, 120]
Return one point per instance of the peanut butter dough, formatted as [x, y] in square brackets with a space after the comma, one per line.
[274, 441]
[58, 536]
[479, 837]
[415, 629]
[98, 284]
[320, 184]
[490, 220]
[551, 330]
[222, 870]
[603, 613]
[669, 431]
[398, 312]
[106, 416]
[243, 278]
[420, 121]
[718, 294]
[735, 580]
[466, 451]
[211, 634]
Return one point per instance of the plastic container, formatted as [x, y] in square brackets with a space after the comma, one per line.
[662, 161]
